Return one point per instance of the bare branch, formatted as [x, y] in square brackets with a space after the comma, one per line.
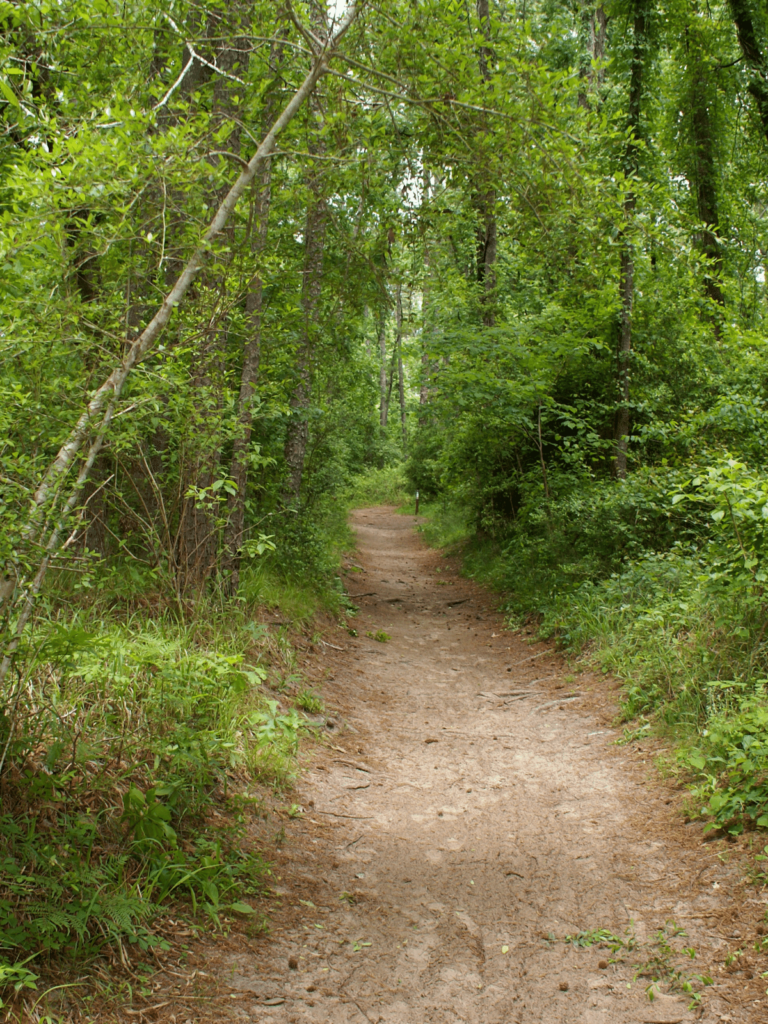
[176, 84]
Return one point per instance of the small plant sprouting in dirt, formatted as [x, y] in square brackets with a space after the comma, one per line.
[16, 977]
[659, 968]
[347, 897]
[351, 631]
[667, 766]
[257, 926]
[309, 701]
[633, 735]
[600, 937]
[757, 874]
[379, 635]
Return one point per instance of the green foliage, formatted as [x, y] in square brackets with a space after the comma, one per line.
[133, 735]
[379, 635]
[660, 579]
[599, 937]
[309, 701]
[386, 486]
[16, 977]
[732, 759]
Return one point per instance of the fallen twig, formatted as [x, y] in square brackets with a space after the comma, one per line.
[551, 703]
[358, 817]
[533, 657]
[327, 644]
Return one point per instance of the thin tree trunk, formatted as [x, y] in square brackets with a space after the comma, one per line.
[486, 234]
[297, 436]
[97, 414]
[251, 361]
[642, 10]
[703, 93]
[199, 534]
[754, 57]
[383, 373]
[425, 307]
[298, 427]
[238, 470]
[399, 344]
[627, 291]
[597, 31]
[391, 377]
[542, 460]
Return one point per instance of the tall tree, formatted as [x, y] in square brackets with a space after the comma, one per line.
[399, 350]
[640, 12]
[485, 198]
[251, 358]
[703, 146]
[749, 19]
[297, 434]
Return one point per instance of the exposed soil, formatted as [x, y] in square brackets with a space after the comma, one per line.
[469, 812]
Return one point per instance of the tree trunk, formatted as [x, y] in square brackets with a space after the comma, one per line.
[238, 470]
[249, 373]
[703, 171]
[754, 56]
[642, 10]
[399, 345]
[627, 290]
[486, 257]
[486, 232]
[200, 526]
[383, 373]
[426, 368]
[596, 32]
[298, 427]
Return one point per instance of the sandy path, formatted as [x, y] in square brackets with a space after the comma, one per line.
[467, 818]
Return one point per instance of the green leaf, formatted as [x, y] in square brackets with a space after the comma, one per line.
[241, 908]
[9, 93]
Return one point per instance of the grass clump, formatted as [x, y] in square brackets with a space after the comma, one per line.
[309, 701]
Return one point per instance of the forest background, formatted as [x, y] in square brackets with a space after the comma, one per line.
[264, 260]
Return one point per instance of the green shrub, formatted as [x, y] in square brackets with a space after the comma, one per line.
[732, 759]
[385, 486]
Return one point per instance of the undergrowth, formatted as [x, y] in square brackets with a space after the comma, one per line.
[386, 486]
[139, 741]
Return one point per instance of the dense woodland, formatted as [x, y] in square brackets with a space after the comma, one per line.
[263, 260]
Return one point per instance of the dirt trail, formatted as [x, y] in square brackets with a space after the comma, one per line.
[471, 813]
